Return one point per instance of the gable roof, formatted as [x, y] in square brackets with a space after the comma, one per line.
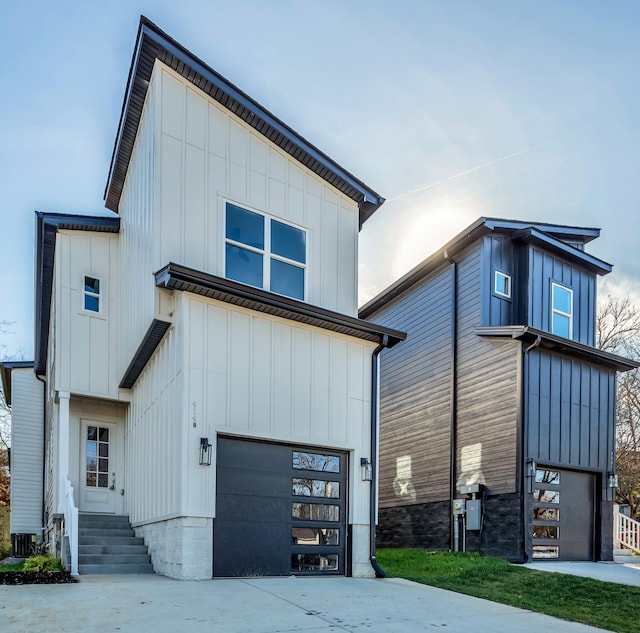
[152, 43]
[5, 375]
[556, 238]
[47, 225]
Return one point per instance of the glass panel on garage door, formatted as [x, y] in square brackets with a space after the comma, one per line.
[562, 517]
[280, 510]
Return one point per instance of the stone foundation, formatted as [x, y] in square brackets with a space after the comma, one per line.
[180, 548]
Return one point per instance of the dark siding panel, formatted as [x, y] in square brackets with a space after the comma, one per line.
[498, 255]
[545, 269]
[487, 386]
[415, 395]
[570, 420]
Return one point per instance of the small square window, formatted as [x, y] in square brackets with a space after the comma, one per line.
[502, 285]
[91, 301]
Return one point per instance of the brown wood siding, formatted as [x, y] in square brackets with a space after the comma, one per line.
[415, 395]
[488, 391]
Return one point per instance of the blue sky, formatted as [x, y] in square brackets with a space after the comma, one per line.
[450, 109]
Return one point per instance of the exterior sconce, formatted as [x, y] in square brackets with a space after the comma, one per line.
[205, 452]
[613, 480]
[366, 471]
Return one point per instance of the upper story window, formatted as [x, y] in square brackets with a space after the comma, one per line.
[264, 252]
[92, 297]
[561, 310]
[502, 284]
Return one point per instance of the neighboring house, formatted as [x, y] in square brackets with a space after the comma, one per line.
[206, 372]
[497, 430]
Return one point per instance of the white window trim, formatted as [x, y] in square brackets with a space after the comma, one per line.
[499, 273]
[266, 253]
[555, 310]
[88, 293]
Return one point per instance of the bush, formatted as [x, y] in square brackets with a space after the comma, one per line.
[42, 563]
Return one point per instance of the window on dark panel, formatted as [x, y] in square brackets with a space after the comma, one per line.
[264, 252]
[561, 310]
[502, 284]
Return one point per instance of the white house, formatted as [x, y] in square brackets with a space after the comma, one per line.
[206, 373]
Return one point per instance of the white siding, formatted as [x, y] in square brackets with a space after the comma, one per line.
[86, 342]
[206, 154]
[27, 442]
[262, 377]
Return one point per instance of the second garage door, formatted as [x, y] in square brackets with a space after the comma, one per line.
[280, 510]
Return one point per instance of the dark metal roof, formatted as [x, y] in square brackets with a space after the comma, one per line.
[152, 43]
[6, 368]
[560, 344]
[179, 277]
[551, 236]
[47, 225]
[151, 340]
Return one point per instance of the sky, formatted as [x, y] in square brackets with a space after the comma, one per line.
[450, 109]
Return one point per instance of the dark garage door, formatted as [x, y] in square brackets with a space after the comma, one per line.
[563, 515]
[280, 510]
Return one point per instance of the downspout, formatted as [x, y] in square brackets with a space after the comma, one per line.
[453, 387]
[44, 450]
[524, 450]
[380, 573]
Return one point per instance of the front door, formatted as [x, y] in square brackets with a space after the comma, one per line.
[100, 467]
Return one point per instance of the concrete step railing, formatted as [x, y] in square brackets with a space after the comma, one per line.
[626, 532]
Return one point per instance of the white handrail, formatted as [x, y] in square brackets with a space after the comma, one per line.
[71, 526]
[627, 531]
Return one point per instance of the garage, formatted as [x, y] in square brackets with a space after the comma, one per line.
[563, 515]
[280, 510]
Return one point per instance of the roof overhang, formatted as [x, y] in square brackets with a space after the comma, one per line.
[557, 343]
[152, 43]
[176, 277]
[47, 226]
[549, 236]
[5, 375]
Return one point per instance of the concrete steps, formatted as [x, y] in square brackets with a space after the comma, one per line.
[625, 556]
[107, 545]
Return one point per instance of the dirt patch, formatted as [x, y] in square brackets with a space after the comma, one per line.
[35, 578]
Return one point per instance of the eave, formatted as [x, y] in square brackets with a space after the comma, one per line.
[176, 277]
[47, 225]
[152, 43]
[559, 344]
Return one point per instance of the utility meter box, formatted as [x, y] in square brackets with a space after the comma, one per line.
[474, 514]
[458, 506]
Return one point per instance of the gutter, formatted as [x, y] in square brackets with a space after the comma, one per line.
[375, 361]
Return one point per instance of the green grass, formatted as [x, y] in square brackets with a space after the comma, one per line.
[15, 567]
[602, 604]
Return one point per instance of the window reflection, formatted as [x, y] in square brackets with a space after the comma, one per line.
[545, 551]
[547, 476]
[97, 468]
[315, 511]
[315, 461]
[545, 531]
[314, 562]
[315, 488]
[546, 496]
[546, 514]
[315, 536]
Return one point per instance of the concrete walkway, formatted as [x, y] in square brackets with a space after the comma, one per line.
[622, 573]
[155, 604]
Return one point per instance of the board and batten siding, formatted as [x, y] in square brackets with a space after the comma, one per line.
[545, 268]
[85, 342]
[252, 375]
[27, 457]
[571, 411]
[415, 395]
[154, 428]
[488, 390]
[207, 155]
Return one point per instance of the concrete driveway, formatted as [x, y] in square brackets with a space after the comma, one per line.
[156, 604]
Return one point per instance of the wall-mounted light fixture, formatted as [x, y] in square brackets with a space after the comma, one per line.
[205, 452]
[531, 475]
[613, 480]
[366, 472]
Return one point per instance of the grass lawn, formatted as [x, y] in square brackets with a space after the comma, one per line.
[602, 604]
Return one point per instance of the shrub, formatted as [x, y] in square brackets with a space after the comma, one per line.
[42, 563]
